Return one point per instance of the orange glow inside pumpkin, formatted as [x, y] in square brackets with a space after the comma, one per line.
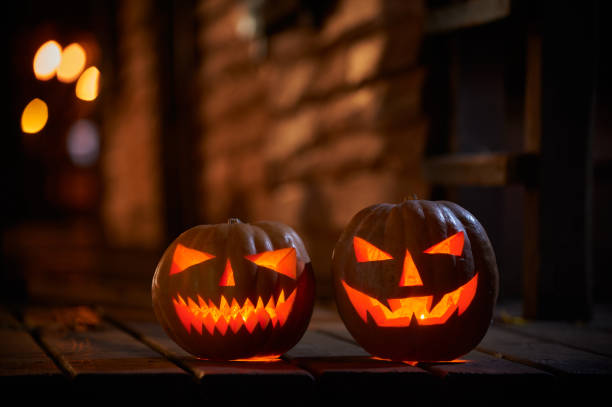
[232, 314]
[415, 363]
[227, 279]
[185, 257]
[282, 261]
[271, 358]
[410, 274]
[452, 245]
[365, 251]
[401, 310]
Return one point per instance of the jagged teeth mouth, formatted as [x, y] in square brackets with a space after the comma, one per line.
[401, 310]
[231, 314]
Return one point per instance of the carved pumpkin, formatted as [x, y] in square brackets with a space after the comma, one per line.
[416, 281]
[235, 291]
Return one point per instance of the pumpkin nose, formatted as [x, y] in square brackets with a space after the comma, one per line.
[227, 279]
[410, 274]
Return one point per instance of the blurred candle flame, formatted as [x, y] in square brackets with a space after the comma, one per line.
[34, 116]
[87, 85]
[46, 60]
[72, 63]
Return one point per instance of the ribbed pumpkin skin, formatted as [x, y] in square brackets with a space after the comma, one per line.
[234, 241]
[416, 225]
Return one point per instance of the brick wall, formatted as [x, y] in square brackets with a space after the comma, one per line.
[326, 121]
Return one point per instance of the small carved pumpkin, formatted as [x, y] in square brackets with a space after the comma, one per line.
[235, 291]
[416, 281]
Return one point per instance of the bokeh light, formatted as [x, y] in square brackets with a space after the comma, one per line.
[87, 85]
[72, 63]
[83, 143]
[46, 60]
[34, 116]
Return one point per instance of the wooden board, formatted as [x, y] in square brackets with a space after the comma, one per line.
[126, 355]
[553, 357]
[24, 365]
[576, 370]
[218, 379]
[344, 370]
[575, 336]
[492, 376]
[108, 364]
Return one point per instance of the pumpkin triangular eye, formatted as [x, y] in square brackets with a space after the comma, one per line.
[184, 257]
[451, 245]
[365, 251]
[282, 261]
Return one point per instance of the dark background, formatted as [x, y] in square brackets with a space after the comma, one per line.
[83, 234]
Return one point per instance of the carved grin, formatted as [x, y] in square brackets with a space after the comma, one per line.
[232, 314]
[401, 310]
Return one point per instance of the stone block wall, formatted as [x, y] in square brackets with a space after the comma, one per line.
[310, 124]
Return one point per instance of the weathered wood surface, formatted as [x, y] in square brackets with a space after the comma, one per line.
[118, 354]
[217, 379]
[102, 361]
[490, 169]
[25, 366]
[465, 14]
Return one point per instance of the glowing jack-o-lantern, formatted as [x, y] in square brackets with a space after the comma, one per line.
[416, 281]
[235, 290]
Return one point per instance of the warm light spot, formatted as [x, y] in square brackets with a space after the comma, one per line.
[416, 362]
[46, 60]
[271, 358]
[34, 116]
[233, 315]
[87, 85]
[365, 251]
[410, 275]
[400, 311]
[83, 143]
[185, 257]
[469, 291]
[282, 261]
[452, 245]
[227, 279]
[71, 64]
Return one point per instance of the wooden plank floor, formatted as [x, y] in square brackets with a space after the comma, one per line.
[81, 353]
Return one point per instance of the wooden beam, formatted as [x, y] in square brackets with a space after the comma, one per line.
[531, 201]
[465, 14]
[569, 66]
[491, 169]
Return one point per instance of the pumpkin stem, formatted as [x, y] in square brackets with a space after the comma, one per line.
[232, 221]
[414, 197]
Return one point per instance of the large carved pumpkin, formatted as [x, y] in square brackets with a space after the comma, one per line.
[235, 291]
[415, 281]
